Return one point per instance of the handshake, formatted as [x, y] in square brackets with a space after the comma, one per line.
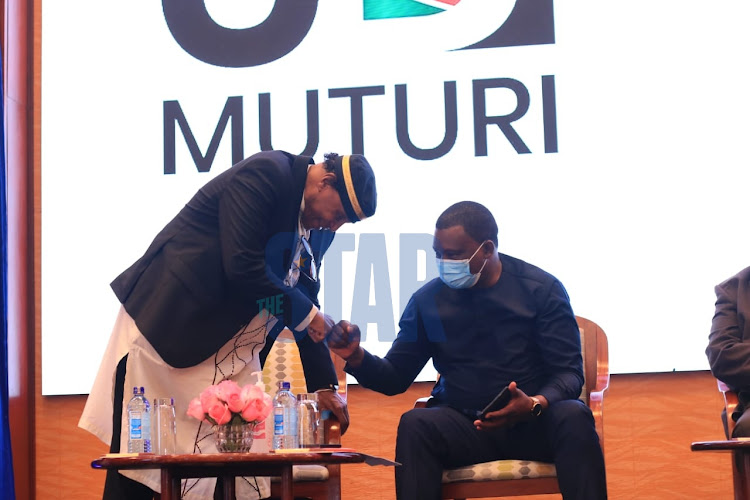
[342, 339]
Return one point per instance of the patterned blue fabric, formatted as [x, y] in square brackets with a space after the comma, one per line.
[7, 487]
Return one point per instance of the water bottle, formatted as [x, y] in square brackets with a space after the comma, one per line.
[285, 419]
[139, 423]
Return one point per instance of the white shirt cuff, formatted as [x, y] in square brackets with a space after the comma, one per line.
[307, 320]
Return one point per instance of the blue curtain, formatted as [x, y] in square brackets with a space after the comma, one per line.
[7, 487]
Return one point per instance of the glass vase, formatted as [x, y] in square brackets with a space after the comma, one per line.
[237, 438]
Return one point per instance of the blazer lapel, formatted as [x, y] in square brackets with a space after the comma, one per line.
[299, 177]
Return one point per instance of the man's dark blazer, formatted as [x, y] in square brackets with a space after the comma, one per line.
[207, 273]
[729, 342]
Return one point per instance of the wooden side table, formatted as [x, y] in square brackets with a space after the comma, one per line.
[224, 466]
[740, 449]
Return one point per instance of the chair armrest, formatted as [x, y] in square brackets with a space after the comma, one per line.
[730, 404]
[422, 402]
[602, 382]
[602, 363]
[596, 396]
[596, 404]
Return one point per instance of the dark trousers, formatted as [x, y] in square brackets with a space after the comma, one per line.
[432, 439]
[741, 427]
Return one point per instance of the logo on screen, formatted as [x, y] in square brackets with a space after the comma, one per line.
[199, 35]
[391, 9]
[528, 22]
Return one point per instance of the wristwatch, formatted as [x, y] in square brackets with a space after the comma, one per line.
[536, 406]
[329, 387]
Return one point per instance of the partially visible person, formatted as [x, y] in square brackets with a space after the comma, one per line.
[235, 266]
[490, 321]
[728, 348]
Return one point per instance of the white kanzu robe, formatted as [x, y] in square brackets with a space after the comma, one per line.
[237, 359]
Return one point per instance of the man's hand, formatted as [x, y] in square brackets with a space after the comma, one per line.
[330, 400]
[319, 327]
[344, 342]
[518, 410]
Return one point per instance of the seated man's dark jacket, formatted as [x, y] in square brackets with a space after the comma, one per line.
[521, 329]
[209, 271]
[728, 348]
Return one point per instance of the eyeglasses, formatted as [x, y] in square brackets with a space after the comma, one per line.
[292, 276]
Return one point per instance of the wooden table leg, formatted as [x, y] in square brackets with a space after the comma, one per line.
[170, 486]
[229, 485]
[287, 483]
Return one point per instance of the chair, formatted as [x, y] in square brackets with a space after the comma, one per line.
[317, 482]
[730, 405]
[502, 478]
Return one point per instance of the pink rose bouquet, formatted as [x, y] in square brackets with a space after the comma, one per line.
[228, 403]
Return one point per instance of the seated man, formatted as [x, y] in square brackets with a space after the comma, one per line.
[728, 348]
[491, 320]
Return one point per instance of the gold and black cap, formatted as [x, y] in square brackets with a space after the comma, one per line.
[355, 182]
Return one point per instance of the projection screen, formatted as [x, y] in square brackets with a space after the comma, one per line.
[608, 139]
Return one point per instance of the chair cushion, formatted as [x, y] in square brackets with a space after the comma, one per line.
[307, 473]
[500, 470]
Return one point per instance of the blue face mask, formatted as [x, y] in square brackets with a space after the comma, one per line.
[457, 273]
